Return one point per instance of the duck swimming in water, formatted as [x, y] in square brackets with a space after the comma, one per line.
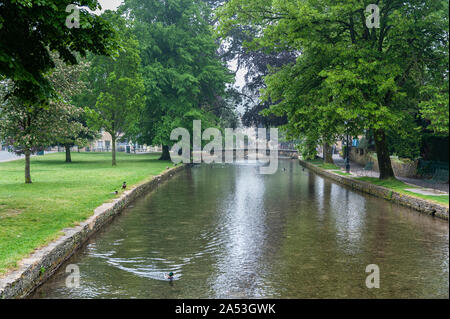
[169, 276]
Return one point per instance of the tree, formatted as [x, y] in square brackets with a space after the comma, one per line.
[182, 72]
[369, 77]
[30, 30]
[67, 83]
[255, 63]
[434, 106]
[311, 115]
[30, 129]
[116, 98]
[75, 132]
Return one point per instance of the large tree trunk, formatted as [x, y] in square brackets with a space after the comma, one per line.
[68, 155]
[113, 149]
[384, 160]
[327, 153]
[27, 167]
[165, 154]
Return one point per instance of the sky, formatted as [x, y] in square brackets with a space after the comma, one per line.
[109, 4]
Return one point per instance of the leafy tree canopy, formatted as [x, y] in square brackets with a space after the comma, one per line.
[31, 29]
[350, 76]
[182, 72]
[115, 98]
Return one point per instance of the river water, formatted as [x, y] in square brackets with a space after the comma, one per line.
[228, 232]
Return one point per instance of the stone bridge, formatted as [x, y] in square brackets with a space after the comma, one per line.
[291, 153]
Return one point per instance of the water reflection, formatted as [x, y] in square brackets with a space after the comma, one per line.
[349, 212]
[243, 216]
[228, 232]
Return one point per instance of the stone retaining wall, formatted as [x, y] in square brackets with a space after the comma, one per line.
[36, 269]
[421, 205]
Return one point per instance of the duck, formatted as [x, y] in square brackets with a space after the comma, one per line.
[169, 276]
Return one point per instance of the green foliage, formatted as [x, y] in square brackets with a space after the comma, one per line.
[347, 75]
[28, 129]
[308, 149]
[116, 97]
[67, 83]
[30, 30]
[184, 78]
[405, 142]
[435, 107]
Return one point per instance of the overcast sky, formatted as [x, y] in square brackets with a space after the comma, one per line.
[109, 4]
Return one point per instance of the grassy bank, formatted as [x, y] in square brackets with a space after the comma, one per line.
[61, 196]
[393, 184]
[342, 173]
[320, 163]
[400, 187]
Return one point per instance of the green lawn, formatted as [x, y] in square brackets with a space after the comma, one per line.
[400, 187]
[61, 195]
[342, 173]
[319, 163]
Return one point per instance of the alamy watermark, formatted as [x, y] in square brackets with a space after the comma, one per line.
[260, 146]
[373, 279]
[373, 19]
[73, 279]
[73, 19]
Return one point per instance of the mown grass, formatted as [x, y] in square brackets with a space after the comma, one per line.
[320, 163]
[400, 187]
[342, 173]
[61, 196]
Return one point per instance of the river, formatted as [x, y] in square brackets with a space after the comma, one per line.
[228, 232]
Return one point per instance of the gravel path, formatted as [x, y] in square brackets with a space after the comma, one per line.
[8, 157]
